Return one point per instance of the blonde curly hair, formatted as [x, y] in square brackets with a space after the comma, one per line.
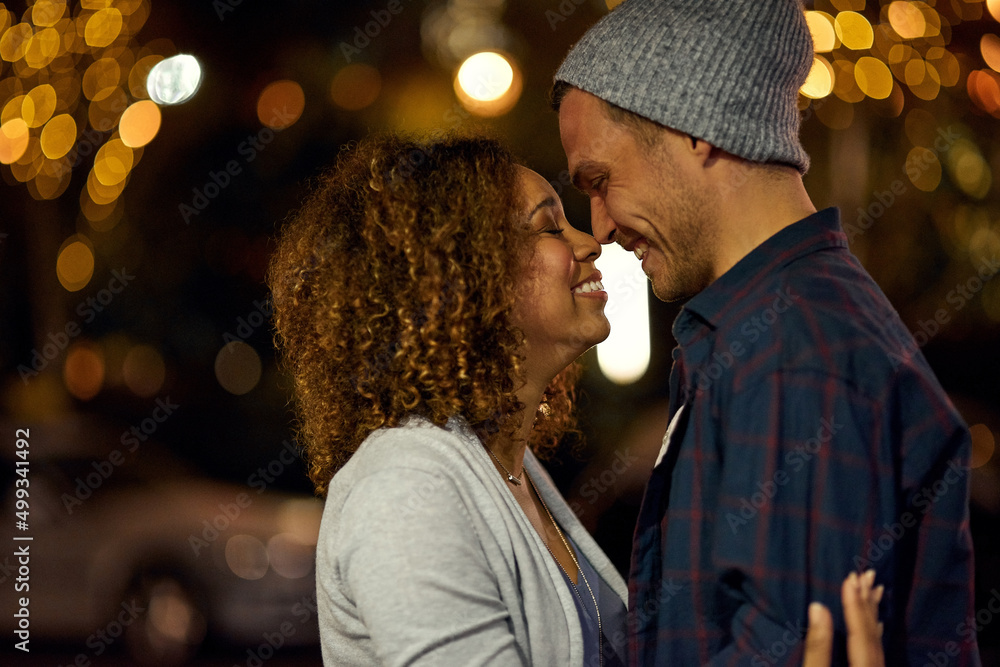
[393, 289]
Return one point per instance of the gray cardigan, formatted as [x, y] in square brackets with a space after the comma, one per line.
[425, 558]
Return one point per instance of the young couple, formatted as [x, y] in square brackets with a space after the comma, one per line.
[431, 300]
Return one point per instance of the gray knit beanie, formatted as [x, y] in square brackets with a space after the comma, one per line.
[726, 71]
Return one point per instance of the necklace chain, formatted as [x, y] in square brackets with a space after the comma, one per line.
[600, 629]
[516, 481]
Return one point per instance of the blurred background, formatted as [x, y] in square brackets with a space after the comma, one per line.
[150, 150]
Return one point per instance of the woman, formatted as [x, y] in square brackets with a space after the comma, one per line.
[430, 301]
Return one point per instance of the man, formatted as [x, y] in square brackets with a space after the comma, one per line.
[808, 435]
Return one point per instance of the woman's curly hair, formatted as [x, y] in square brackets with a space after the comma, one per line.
[393, 290]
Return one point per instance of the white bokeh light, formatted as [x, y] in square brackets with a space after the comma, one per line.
[624, 356]
[174, 80]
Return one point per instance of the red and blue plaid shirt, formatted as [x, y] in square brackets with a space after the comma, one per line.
[809, 437]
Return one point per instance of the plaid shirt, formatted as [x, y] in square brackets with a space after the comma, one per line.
[808, 437]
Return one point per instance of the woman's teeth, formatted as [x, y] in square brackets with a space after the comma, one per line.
[587, 288]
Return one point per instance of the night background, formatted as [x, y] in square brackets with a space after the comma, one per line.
[135, 342]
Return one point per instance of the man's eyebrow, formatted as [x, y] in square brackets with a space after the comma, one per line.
[547, 202]
[584, 165]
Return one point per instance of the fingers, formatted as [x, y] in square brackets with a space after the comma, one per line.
[819, 638]
[864, 632]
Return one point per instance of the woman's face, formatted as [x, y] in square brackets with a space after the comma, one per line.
[561, 304]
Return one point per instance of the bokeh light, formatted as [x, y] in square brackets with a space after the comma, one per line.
[237, 367]
[355, 86]
[854, 31]
[969, 170]
[488, 84]
[174, 80]
[143, 370]
[924, 169]
[907, 19]
[103, 27]
[13, 140]
[993, 6]
[819, 83]
[75, 263]
[873, 77]
[824, 35]
[139, 123]
[83, 371]
[246, 556]
[983, 445]
[58, 136]
[281, 104]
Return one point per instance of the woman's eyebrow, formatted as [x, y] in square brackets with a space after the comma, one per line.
[547, 202]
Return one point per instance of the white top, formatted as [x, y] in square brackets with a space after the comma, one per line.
[426, 558]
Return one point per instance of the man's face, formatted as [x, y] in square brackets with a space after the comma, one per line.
[647, 199]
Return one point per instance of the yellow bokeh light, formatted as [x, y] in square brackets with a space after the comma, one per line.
[485, 77]
[103, 194]
[922, 79]
[983, 445]
[140, 123]
[844, 84]
[144, 370]
[113, 162]
[14, 135]
[101, 79]
[44, 47]
[38, 105]
[12, 109]
[907, 19]
[14, 42]
[873, 77]
[75, 264]
[139, 73]
[854, 31]
[823, 33]
[969, 170]
[237, 367]
[994, 8]
[849, 5]
[83, 372]
[281, 104]
[46, 13]
[946, 64]
[819, 83]
[103, 27]
[989, 46]
[58, 136]
[923, 169]
[355, 87]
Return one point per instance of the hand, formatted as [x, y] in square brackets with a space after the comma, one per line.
[864, 632]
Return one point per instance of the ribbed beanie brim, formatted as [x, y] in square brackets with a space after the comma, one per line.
[726, 71]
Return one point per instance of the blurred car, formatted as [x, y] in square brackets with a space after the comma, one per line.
[131, 546]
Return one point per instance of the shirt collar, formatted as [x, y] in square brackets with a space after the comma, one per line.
[819, 231]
